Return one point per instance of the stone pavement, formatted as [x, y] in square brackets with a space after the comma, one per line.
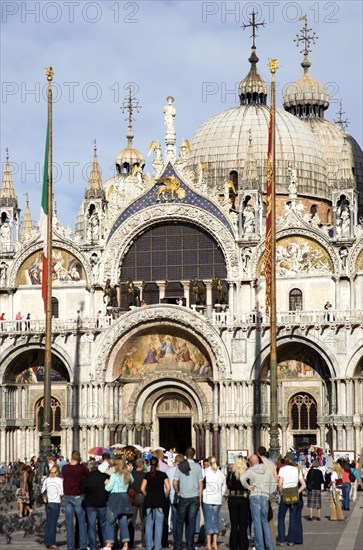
[346, 535]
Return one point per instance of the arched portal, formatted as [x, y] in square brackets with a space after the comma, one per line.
[305, 392]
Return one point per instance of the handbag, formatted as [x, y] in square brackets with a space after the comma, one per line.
[42, 498]
[290, 495]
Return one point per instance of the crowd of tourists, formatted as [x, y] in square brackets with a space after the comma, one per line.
[183, 498]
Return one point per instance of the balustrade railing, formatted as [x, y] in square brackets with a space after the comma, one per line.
[219, 318]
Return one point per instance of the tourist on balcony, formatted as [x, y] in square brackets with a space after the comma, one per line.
[27, 322]
[18, 319]
[2, 318]
[329, 317]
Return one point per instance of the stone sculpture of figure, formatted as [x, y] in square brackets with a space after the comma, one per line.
[3, 272]
[133, 294]
[249, 219]
[345, 221]
[94, 265]
[169, 115]
[246, 256]
[343, 253]
[5, 232]
[293, 182]
[138, 174]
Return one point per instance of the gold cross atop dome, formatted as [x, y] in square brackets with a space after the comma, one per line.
[252, 23]
[305, 37]
[130, 104]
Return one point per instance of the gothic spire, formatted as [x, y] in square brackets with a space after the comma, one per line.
[249, 173]
[94, 187]
[7, 191]
[27, 225]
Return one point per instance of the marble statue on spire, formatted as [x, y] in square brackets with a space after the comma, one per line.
[170, 134]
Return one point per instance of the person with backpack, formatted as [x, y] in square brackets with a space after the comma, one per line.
[291, 485]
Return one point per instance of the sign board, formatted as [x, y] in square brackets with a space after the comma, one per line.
[347, 455]
[232, 454]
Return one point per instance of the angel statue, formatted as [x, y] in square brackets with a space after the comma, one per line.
[185, 150]
[202, 171]
[293, 182]
[138, 174]
[156, 147]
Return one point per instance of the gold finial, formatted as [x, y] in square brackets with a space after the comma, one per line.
[49, 72]
[273, 65]
[130, 104]
[254, 25]
[305, 36]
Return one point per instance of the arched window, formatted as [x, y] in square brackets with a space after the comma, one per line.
[313, 210]
[295, 299]
[55, 415]
[303, 412]
[55, 307]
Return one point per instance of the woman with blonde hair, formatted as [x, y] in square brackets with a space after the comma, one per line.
[335, 492]
[238, 505]
[53, 486]
[214, 489]
[118, 506]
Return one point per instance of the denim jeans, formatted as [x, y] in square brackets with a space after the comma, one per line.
[73, 505]
[211, 518]
[52, 510]
[94, 514]
[174, 513]
[123, 523]
[345, 493]
[295, 525]
[187, 510]
[259, 512]
[154, 520]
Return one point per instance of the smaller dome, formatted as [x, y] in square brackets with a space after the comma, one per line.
[130, 155]
[253, 89]
[306, 97]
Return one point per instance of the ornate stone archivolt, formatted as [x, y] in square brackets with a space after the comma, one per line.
[179, 317]
[122, 239]
[27, 251]
[353, 257]
[300, 232]
[152, 388]
[321, 349]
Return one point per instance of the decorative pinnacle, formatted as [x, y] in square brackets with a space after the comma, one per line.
[254, 25]
[343, 122]
[130, 104]
[27, 198]
[305, 37]
[7, 153]
[49, 72]
[95, 148]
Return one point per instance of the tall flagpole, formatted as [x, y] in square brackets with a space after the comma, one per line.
[274, 431]
[46, 434]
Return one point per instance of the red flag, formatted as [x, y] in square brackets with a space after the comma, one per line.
[268, 254]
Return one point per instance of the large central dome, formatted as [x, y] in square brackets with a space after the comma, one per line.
[222, 144]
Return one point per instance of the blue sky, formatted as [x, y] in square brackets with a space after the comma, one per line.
[179, 48]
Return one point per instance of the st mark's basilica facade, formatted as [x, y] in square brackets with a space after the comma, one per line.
[171, 345]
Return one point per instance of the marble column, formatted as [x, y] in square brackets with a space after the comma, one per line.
[202, 440]
[283, 439]
[249, 438]
[197, 440]
[223, 446]
[209, 298]
[161, 287]
[231, 297]
[215, 441]
[147, 435]
[112, 436]
[322, 436]
[186, 290]
[139, 428]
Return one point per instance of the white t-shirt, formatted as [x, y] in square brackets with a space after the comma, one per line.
[54, 488]
[334, 477]
[291, 475]
[215, 486]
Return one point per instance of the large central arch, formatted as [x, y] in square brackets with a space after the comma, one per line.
[165, 316]
[125, 235]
